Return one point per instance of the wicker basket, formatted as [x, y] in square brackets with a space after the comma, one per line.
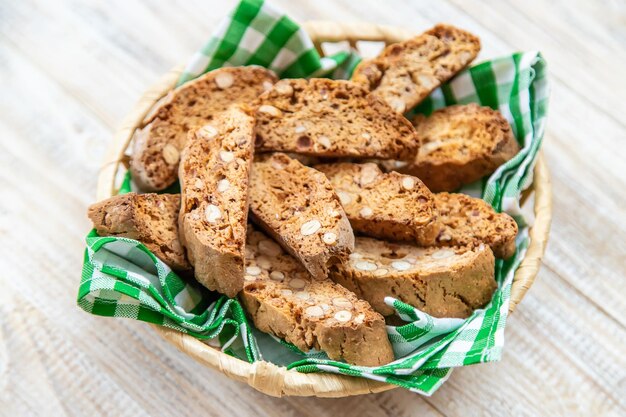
[267, 377]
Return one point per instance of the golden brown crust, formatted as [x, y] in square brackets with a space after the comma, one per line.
[407, 72]
[443, 282]
[213, 173]
[459, 145]
[161, 138]
[148, 218]
[282, 299]
[463, 220]
[297, 206]
[331, 118]
[386, 206]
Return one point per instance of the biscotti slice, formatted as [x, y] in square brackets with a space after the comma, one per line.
[283, 299]
[148, 218]
[464, 220]
[459, 145]
[443, 282]
[405, 73]
[214, 172]
[163, 134]
[387, 206]
[331, 118]
[297, 206]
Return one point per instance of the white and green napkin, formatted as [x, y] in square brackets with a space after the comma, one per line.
[121, 278]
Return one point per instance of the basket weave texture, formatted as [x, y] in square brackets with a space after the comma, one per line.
[267, 377]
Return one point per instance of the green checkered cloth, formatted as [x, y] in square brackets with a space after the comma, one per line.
[121, 278]
[258, 34]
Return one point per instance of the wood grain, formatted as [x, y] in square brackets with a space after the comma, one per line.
[71, 70]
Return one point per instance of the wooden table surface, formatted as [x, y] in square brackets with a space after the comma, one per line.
[70, 71]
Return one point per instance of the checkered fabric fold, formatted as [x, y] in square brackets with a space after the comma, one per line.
[121, 278]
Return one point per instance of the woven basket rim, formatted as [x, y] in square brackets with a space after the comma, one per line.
[268, 377]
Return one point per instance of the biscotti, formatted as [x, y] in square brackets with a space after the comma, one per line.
[214, 172]
[459, 145]
[163, 134]
[443, 282]
[405, 73]
[387, 206]
[148, 218]
[297, 206]
[331, 118]
[282, 299]
[464, 220]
